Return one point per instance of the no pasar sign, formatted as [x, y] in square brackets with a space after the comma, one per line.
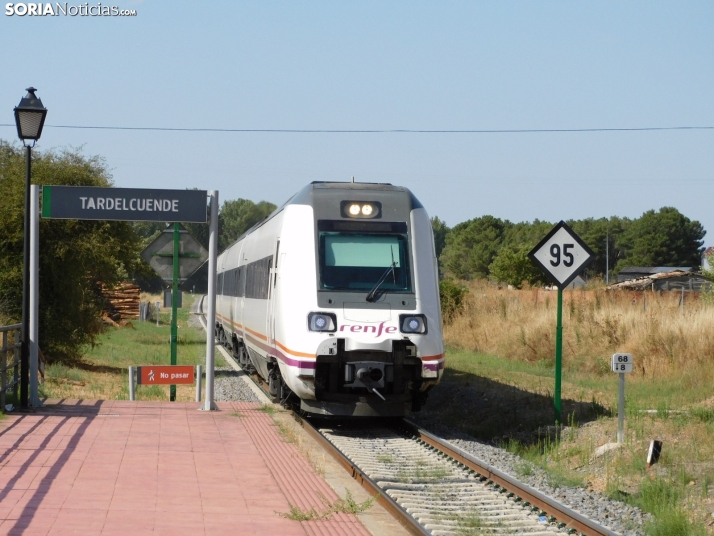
[164, 374]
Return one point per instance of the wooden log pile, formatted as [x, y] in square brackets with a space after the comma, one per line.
[123, 301]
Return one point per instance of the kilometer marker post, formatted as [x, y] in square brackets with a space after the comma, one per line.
[562, 255]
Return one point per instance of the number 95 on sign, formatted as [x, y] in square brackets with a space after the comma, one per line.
[622, 363]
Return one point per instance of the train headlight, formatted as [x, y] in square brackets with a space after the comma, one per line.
[322, 322]
[412, 324]
[365, 210]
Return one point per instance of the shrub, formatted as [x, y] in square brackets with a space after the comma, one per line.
[452, 298]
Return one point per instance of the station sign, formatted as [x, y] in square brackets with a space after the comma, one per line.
[123, 204]
[562, 255]
[165, 374]
[621, 363]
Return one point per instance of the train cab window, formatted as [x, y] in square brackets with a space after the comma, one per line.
[356, 261]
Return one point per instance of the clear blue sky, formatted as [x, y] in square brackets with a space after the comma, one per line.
[388, 65]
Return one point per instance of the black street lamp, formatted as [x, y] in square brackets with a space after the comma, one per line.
[29, 118]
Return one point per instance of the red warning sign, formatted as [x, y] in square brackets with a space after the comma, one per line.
[164, 374]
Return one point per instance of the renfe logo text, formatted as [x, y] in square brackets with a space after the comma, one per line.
[377, 330]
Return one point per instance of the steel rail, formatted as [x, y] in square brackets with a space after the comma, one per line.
[550, 506]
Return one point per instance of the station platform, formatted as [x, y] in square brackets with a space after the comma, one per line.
[120, 467]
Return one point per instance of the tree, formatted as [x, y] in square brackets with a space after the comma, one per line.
[512, 266]
[471, 247]
[600, 235]
[239, 215]
[440, 230]
[662, 238]
[526, 233]
[75, 256]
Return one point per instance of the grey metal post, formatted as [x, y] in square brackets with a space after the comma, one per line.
[131, 384]
[621, 411]
[25, 357]
[209, 404]
[199, 379]
[35, 401]
[158, 312]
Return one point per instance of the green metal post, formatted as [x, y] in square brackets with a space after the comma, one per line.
[558, 359]
[174, 308]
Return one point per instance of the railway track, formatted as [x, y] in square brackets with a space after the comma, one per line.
[433, 487]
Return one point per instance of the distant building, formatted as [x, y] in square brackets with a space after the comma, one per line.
[634, 272]
[660, 278]
[705, 261]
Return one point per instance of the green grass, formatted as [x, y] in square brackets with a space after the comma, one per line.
[145, 343]
[267, 408]
[346, 506]
[63, 372]
[104, 367]
[662, 393]
[662, 498]
[667, 496]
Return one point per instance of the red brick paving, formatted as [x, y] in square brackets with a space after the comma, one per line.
[118, 467]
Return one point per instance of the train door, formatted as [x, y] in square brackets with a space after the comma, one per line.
[273, 295]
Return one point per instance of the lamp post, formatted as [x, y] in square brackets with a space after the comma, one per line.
[29, 118]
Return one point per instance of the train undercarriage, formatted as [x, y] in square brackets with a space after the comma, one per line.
[347, 383]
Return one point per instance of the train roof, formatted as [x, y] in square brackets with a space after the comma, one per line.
[332, 191]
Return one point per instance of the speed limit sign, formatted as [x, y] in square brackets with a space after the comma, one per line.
[562, 255]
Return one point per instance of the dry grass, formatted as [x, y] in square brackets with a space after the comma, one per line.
[663, 337]
[293, 433]
[501, 352]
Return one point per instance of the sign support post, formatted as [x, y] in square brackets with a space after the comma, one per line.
[621, 410]
[558, 360]
[174, 308]
[209, 404]
[622, 364]
[562, 255]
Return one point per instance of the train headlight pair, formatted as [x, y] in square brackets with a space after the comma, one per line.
[412, 324]
[326, 322]
[361, 209]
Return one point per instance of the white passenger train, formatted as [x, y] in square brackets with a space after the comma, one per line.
[334, 299]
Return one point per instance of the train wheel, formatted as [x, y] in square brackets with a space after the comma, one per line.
[274, 384]
[242, 356]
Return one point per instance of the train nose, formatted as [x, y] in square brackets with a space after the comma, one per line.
[373, 374]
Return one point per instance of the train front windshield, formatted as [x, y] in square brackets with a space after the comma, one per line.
[357, 261]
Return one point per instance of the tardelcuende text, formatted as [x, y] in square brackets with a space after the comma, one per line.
[119, 203]
[82, 10]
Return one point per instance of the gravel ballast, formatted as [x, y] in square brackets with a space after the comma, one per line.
[229, 386]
